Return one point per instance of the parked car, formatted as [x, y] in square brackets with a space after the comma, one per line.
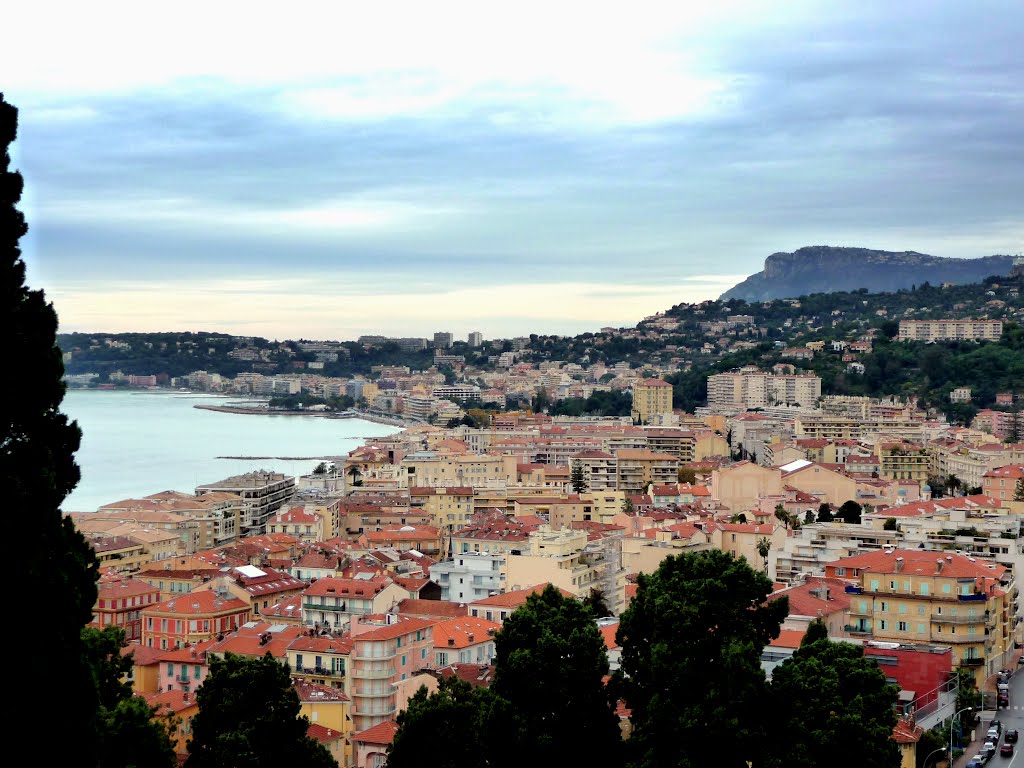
[974, 762]
[1007, 749]
[1003, 701]
[1011, 735]
[990, 747]
[995, 724]
[993, 734]
[981, 758]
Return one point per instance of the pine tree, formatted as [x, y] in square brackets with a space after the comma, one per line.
[579, 478]
[1018, 491]
[38, 471]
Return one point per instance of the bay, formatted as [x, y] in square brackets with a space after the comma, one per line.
[135, 443]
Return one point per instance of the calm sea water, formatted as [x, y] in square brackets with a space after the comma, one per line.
[141, 442]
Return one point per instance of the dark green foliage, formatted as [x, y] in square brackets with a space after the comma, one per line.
[127, 734]
[850, 512]
[579, 478]
[825, 514]
[890, 524]
[249, 715]
[448, 725]
[831, 706]
[550, 661]
[691, 661]
[130, 737]
[816, 630]
[38, 471]
[1018, 491]
[614, 403]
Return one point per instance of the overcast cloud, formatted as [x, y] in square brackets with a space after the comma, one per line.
[403, 170]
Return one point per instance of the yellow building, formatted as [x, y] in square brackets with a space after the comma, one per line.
[638, 469]
[328, 708]
[651, 397]
[554, 557]
[933, 596]
[452, 506]
[742, 540]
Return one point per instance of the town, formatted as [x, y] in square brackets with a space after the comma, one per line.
[878, 517]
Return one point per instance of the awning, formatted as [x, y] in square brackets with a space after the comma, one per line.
[907, 696]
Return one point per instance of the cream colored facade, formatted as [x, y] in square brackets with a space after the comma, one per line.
[639, 468]
[427, 469]
[750, 388]
[644, 555]
[651, 398]
[742, 539]
[556, 557]
[738, 486]
[447, 506]
[941, 330]
[833, 487]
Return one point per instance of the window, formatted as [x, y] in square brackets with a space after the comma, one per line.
[197, 671]
[920, 610]
[403, 664]
[840, 571]
[925, 587]
[902, 626]
[170, 670]
[892, 585]
[874, 585]
[423, 653]
[946, 589]
[883, 624]
[442, 659]
[920, 629]
[883, 606]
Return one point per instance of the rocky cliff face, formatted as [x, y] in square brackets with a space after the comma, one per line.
[823, 269]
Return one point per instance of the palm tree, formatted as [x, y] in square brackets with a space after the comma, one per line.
[763, 547]
[783, 516]
[357, 476]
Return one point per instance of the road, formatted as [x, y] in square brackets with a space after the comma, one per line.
[1011, 718]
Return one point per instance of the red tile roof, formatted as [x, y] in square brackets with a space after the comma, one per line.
[516, 597]
[382, 733]
[463, 632]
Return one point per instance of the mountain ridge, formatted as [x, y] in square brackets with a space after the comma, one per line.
[826, 269]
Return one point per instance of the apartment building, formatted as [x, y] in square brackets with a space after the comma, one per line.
[910, 595]
[600, 470]
[556, 557]
[651, 398]
[307, 527]
[262, 494]
[447, 506]
[638, 469]
[750, 388]
[332, 602]
[1001, 482]
[120, 604]
[191, 619]
[469, 576]
[969, 329]
[321, 660]
[386, 650]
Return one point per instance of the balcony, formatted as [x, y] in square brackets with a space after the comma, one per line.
[978, 597]
[945, 618]
[976, 662]
[854, 590]
[376, 655]
[372, 674]
[856, 629]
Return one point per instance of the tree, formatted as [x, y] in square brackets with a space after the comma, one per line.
[825, 514]
[850, 512]
[890, 524]
[1018, 491]
[38, 471]
[127, 732]
[686, 475]
[579, 478]
[627, 506]
[249, 715]
[447, 724]
[783, 516]
[691, 661]
[320, 469]
[550, 663]
[595, 601]
[764, 546]
[738, 517]
[831, 706]
[808, 517]
[356, 475]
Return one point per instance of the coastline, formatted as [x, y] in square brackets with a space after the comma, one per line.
[391, 421]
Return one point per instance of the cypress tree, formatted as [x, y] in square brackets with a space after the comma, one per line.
[56, 709]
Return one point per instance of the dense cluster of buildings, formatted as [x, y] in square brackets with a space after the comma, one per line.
[397, 566]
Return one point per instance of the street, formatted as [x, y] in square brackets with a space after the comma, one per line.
[1011, 718]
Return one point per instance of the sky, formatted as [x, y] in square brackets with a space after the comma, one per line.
[327, 170]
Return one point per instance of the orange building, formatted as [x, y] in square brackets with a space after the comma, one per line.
[191, 619]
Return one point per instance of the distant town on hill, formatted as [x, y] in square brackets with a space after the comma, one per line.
[848, 338]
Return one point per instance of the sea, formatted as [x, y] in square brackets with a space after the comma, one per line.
[138, 442]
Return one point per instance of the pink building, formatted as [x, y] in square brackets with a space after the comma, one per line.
[386, 650]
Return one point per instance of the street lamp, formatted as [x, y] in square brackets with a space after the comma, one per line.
[956, 717]
[940, 749]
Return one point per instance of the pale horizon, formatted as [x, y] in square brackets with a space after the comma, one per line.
[341, 171]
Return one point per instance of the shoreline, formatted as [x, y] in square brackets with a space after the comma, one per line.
[385, 420]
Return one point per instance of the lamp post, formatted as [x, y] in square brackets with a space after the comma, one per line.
[956, 717]
[935, 752]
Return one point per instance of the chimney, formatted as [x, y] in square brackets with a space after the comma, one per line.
[938, 565]
[899, 564]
